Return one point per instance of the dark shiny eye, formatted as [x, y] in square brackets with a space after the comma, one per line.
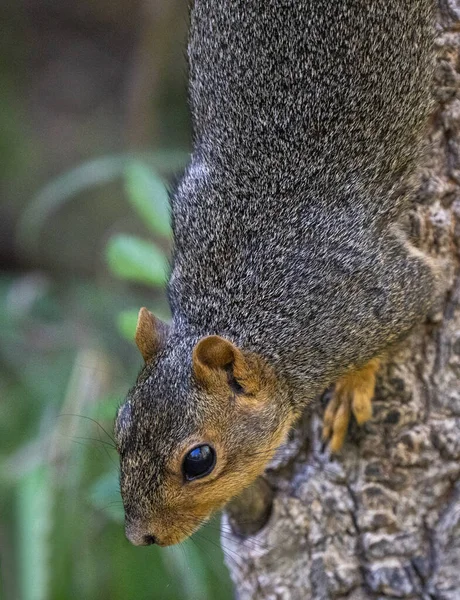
[199, 462]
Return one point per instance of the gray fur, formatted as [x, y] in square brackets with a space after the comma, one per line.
[308, 116]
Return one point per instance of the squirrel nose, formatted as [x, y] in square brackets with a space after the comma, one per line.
[138, 537]
[149, 540]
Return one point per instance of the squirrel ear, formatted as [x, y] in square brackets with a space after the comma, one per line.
[214, 354]
[150, 333]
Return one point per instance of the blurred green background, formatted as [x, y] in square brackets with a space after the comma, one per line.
[95, 128]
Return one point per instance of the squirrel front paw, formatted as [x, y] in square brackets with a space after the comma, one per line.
[353, 393]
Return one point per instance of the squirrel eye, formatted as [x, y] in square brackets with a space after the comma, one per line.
[199, 462]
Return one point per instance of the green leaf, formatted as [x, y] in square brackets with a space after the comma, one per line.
[149, 196]
[134, 259]
[126, 323]
[95, 172]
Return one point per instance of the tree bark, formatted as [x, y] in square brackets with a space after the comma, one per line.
[382, 520]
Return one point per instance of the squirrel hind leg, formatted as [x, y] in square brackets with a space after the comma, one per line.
[353, 393]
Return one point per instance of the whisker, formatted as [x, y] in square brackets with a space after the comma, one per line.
[98, 440]
[231, 555]
[89, 419]
[252, 543]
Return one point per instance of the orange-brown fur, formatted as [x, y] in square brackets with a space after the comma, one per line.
[182, 506]
[353, 393]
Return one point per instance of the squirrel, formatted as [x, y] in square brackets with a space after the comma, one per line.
[291, 270]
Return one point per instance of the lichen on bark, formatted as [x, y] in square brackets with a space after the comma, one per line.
[382, 520]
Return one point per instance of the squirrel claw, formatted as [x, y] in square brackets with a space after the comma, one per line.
[353, 394]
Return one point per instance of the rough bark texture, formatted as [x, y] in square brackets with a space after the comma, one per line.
[383, 519]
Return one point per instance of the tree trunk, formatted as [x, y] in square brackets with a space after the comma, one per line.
[382, 520]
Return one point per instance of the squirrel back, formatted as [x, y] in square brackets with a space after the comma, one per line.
[330, 95]
[308, 118]
[290, 267]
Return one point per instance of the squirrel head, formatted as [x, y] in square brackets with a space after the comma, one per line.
[199, 426]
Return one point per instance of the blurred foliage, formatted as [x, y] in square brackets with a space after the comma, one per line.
[137, 260]
[145, 191]
[65, 373]
[87, 88]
